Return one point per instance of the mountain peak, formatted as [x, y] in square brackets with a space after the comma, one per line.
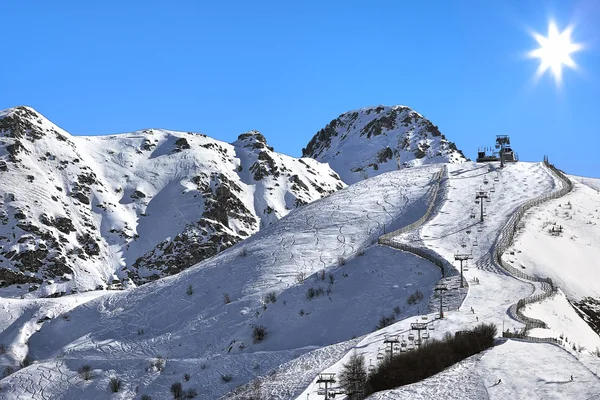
[372, 140]
[25, 122]
[253, 139]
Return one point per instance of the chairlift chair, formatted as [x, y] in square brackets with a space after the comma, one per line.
[468, 231]
[477, 201]
[388, 350]
[380, 356]
[475, 243]
[480, 229]
[411, 336]
[425, 335]
[402, 349]
[431, 327]
[493, 189]
[396, 348]
[485, 181]
[403, 344]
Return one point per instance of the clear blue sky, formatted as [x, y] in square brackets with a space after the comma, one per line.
[288, 68]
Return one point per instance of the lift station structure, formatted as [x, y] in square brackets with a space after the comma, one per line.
[503, 154]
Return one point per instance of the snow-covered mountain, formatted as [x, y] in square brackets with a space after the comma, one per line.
[365, 142]
[339, 276]
[75, 210]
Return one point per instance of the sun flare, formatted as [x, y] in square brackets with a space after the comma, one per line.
[555, 51]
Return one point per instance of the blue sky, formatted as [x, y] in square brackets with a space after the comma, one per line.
[288, 68]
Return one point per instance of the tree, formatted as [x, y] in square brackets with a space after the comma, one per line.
[354, 376]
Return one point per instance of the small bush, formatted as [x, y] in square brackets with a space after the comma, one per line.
[397, 310]
[226, 378]
[341, 261]
[415, 297]
[140, 331]
[244, 252]
[226, 298]
[158, 364]
[302, 314]
[2, 348]
[190, 290]
[186, 377]
[114, 384]
[177, 390]
[146, 397]
[386, 321]
[312, 292]
[85, 372]
[191, 393]
[259, 332]
[270, 297]
[331, 279]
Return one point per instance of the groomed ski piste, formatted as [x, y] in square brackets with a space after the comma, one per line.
[200, 321]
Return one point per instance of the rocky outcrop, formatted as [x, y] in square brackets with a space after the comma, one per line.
[366, 142]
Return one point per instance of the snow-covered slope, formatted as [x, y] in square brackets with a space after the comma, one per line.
[369, 141]
[207, 312]
[76, 210]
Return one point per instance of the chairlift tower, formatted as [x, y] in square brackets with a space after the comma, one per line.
[327, 379]
[419, 326]
[441, 289]
[462, 257]
[501, 142]
[392, 341]
[480, 197]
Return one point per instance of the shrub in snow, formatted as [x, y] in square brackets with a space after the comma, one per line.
[85, 372]
[415, 297]
[190, 290]
[158, 364]
[270, 297]
[312, 292]
[430, 358]
[386, 321]
[226, 298]
[186, 377]
[191, 393]
[226, 378]
[177, 390]
[114, 384]
[2, 348]
[259, 332]
[146, 397]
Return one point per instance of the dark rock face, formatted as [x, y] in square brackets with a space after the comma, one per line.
[264, 166]
[589, 310]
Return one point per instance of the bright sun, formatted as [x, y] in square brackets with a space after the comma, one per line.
[555, 51]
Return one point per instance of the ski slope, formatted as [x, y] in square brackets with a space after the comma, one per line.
[329, 244]
[334, 234]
